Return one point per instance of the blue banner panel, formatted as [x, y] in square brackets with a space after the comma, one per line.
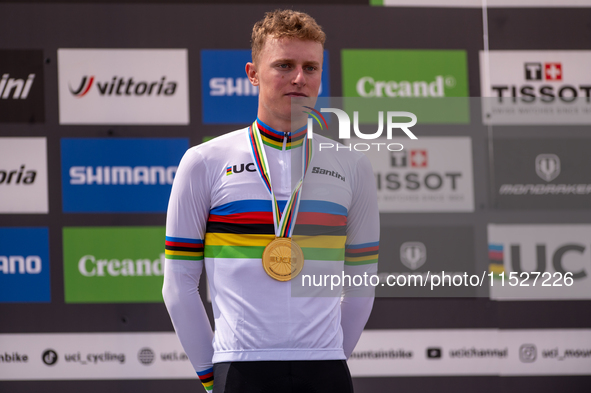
[119, 175]
[227, 95]
[24, 265]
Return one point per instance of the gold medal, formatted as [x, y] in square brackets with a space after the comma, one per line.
[283, 259]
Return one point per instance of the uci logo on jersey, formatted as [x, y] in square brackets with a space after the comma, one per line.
[240, 168]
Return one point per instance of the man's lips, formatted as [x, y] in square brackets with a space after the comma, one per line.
[295, 94]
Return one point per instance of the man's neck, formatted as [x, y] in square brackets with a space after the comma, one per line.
[281, 125]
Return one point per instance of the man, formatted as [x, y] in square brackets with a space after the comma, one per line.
[232, 209]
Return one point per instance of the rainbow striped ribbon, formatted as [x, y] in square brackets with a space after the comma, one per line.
[284, 222]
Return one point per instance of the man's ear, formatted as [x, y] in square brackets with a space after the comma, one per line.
[252, 74]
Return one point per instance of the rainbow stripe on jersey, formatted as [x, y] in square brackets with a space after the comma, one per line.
[275, 139]
[243, 229]
[183, 249]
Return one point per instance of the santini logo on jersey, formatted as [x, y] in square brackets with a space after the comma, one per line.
[240, 168]
[321, 171]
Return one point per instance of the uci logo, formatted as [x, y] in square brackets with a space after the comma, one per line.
[240, 168]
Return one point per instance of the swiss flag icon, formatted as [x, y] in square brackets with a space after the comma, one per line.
[553, 71]
[418, 158]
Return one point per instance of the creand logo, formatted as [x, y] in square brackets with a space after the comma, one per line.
[345, 128]
[123, 86]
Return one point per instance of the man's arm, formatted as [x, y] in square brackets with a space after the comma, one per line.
[186, 219]
[361, 254]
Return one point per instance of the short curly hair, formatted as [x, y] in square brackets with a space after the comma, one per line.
[285, 24]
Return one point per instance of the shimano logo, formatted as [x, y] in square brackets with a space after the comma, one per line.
[19, 88]
[122, 175]
[327, 172]
[232, 87]
[17, 264]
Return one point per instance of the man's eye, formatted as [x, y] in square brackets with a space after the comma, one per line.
[283, 65]
[311, 68]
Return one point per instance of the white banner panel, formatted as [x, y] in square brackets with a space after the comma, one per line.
[431, 174]
[93, 356]
[535, 87]
[123, 86]
[379, 353]
[534, 261]
[23, 175]
[460, 352]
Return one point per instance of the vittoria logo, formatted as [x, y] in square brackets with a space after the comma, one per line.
[121, 86]
[240, 168]
[413, 254]
[548, 166]
[17, 176]
[550, 71]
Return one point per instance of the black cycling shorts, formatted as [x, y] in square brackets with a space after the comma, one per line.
[309, 376]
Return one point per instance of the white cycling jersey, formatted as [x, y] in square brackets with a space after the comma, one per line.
[220, 216]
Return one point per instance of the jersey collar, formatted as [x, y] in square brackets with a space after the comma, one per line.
[281, 140]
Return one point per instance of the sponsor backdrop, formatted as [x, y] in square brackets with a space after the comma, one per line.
[94, 121]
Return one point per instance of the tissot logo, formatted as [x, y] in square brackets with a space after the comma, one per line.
[413, 254]
[551, 71]
[563, 77]
[418, 158]
[124, 86]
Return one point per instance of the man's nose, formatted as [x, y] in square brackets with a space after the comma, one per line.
[299, 78]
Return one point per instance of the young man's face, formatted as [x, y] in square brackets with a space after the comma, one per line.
[286, 69]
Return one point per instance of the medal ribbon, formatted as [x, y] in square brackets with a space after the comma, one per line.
[284, 222]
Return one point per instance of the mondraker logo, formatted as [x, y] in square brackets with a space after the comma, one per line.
[548, 166]
[124, 86]
[413, 254]
[240, 168]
